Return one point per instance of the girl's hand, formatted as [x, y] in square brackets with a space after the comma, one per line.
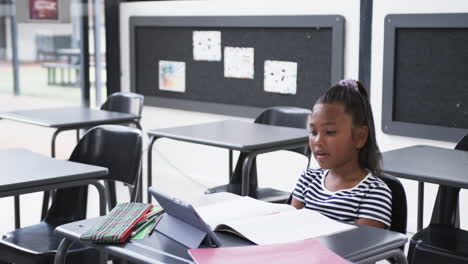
[369, 222]
[296, 203]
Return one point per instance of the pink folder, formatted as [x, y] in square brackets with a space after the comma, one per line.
[306, 251]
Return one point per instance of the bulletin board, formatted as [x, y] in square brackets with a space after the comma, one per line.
[425, 79]
[314, 43]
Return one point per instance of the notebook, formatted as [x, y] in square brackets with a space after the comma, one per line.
[306, 251]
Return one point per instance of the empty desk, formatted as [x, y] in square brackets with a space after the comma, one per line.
[250, 138]
[24, 171]
[68, 118]
[428, 164]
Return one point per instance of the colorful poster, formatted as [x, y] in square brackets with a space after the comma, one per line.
[207, 45]
[239, 62]
[172, 76]
[280, 77]
[43, 9]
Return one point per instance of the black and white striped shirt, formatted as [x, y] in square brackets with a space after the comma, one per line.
[371, 198]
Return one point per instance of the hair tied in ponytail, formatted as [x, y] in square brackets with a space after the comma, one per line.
[349, 83]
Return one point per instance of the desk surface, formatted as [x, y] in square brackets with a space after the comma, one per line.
[428, 164]
[354, 245]
[21, 169]
[67, 117]
[233, 134]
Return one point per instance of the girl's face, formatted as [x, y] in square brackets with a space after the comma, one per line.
[333, 139]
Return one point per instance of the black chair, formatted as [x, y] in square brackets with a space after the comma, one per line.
[117, 148]
[399, 207]
[130, 103]
[276, 116]
[442, 241]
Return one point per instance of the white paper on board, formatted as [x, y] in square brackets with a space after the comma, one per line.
[239, 62]
[172, 76]
[280, 77]
[207, 45]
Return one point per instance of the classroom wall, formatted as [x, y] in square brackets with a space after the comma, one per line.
[350, 10]
[389, 142]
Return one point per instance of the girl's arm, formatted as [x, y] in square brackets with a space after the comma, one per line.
[296, 203]
[369, 222]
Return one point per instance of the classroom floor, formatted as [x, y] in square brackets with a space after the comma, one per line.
[182, 169]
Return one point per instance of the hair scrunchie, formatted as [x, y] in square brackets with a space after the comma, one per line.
[349, 83]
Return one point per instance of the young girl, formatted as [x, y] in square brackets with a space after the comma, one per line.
[346, 187]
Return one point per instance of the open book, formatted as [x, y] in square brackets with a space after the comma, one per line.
[267, 223]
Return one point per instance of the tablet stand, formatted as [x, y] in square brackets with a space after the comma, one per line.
[182, 232]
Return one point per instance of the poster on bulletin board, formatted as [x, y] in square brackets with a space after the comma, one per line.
[44, 9]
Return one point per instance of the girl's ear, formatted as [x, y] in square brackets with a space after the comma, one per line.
[360, 136]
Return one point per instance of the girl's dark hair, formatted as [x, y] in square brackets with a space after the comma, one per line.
[355, 99]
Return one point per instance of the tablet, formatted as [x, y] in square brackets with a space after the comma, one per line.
[185, 213]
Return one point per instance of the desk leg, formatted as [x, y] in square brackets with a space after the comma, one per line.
[230, 164]
[150, 167]
[45, 204]
[77, 135]
[54, 138]
[17, 212]
[111, 193]
[46, 197]
[246, 169]
[420, 205]
[61, 254]
[102, 197]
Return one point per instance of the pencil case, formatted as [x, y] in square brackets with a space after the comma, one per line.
[117, 225]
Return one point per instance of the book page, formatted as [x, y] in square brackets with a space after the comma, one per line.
[238, 208]
[286, 226]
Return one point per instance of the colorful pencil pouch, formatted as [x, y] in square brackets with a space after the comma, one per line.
[116, 227]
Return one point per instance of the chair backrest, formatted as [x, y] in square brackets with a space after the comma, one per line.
[446, 207]
[399, 207]
[286, 116]
[118, 148]
[130, 103]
